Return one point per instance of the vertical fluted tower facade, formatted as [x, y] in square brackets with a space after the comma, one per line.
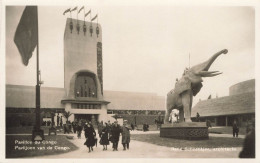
[82, 51]
[83, 71]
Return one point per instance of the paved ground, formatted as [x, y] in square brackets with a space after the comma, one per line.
[152, 132]
[146, 150]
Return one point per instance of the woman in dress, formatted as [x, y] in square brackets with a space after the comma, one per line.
[104, 137]
[90, 136]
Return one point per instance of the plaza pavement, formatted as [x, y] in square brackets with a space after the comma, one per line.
[146, 150]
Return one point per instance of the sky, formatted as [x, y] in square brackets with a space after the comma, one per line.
[145, 47]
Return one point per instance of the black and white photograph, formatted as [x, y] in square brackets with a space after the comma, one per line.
[122, 79]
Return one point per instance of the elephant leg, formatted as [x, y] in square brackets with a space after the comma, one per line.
[187, 102]
[181, 115]
[166, 118]
[167, 115]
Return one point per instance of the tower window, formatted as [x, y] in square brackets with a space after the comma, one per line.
[85, 85]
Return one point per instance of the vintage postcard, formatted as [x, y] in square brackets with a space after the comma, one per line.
[129, 80]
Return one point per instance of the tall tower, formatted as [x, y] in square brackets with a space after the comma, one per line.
[83, 71]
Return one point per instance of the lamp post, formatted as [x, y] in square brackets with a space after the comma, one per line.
[71, 27]
[84, 28]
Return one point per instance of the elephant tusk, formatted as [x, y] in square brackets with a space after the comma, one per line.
[206, 73]
[213, 74]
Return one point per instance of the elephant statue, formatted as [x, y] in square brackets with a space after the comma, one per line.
[189, 85]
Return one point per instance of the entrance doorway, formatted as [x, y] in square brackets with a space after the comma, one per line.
[221, 121]
[87, 117]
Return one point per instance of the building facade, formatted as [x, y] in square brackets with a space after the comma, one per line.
[135, 107]
[83, 71]
[222, 111]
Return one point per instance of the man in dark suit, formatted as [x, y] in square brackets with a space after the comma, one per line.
[248, 150]
[115, 133]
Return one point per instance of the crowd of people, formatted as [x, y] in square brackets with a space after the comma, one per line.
[107, 132]
[110, 133]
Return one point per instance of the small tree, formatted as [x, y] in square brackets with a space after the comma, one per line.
[67, 114]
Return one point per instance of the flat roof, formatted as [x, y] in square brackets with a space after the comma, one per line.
[229, 105]
[20, 96]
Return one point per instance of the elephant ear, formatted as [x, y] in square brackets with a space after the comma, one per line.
[196, 88]
[182, 85]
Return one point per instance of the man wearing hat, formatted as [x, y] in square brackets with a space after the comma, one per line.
[109, 125]
[125, 135]
[115, 133]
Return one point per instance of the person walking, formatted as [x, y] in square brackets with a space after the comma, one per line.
[235, 129]
[100, 128]
[79, 130]
[115, 133]
[104, 137]
[90, 136]
[248, 150]
[198, 117]
[74, 126]
[109, 125]
[132, 126]
[208, 123]
[125, 131]
[58, 120]
[61, 122]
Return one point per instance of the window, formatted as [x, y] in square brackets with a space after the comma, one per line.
[109, 112]
[85, 85]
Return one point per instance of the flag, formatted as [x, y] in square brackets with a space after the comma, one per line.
[81, 9]
[74, 9]
[26, 35]
[68, 10]
[94, 18]
[88, 13]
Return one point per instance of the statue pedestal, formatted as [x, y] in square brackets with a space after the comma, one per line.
[185, 130]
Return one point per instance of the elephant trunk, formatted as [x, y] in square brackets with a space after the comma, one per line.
[206, 65]
[213, 58]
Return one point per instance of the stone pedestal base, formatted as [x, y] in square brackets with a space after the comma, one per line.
[185, 130]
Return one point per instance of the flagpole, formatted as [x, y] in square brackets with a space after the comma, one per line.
[38, 85]
[84, 15]
[77, 15]
[91, 28]
[37, 130]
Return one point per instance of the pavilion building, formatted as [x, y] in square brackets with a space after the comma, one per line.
[222, 111]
